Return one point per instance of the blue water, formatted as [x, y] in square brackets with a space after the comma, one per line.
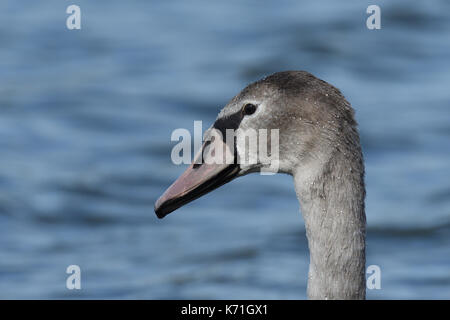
[85, 124]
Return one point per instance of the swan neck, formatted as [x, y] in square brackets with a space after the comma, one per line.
[332, 205]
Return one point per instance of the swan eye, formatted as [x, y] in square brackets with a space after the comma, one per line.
[249, 109]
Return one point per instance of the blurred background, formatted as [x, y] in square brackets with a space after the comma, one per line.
[86, 118]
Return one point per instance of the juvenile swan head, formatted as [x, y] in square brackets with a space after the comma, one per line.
[290, 121]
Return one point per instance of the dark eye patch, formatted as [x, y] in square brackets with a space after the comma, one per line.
[232, 121]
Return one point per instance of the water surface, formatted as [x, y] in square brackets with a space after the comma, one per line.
[85, 124]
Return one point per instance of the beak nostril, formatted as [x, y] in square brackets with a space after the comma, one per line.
[196, 165]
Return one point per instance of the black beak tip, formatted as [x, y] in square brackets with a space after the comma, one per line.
[163, 208]
[160, 212]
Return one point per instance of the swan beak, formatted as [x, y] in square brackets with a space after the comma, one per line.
[197, 180]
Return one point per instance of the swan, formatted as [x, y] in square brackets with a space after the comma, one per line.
[319, 146]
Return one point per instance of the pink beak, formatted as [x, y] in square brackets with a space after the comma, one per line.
[197, 180]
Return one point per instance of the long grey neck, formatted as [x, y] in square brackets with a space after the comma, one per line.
[332, 203]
